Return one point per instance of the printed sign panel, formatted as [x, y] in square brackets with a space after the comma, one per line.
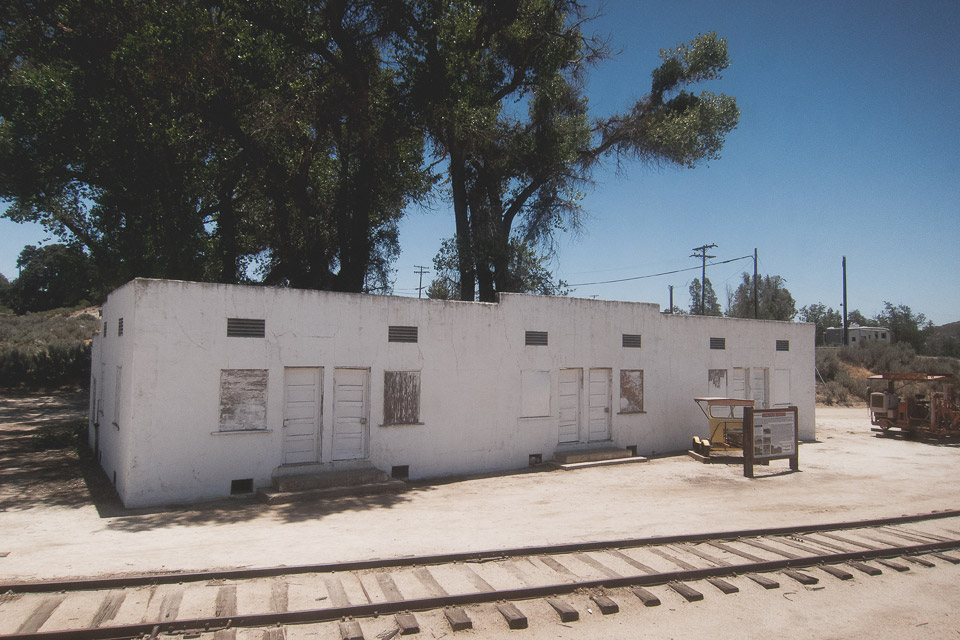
[774, 434]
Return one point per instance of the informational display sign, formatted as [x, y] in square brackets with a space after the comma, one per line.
[770, 434]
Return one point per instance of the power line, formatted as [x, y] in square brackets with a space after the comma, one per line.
[654, 275]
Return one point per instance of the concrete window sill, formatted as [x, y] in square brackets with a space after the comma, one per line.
[402, 424]
[239, 431]
[629, 413]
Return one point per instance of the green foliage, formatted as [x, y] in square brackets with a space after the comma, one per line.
[823, 317]
[703, 303]
[525, 264]
[60, 437]
[52, 277]
[775, 301]
[45, 350]
[192, 140]
[906, 327]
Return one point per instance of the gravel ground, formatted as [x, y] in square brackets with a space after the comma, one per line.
[58, 518]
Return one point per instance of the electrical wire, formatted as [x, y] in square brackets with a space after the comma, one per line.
[664, 273]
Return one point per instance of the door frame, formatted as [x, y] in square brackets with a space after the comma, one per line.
[608, 407]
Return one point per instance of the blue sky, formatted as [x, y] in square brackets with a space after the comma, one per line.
[848, 145]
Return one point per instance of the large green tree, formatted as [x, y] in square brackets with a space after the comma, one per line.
[703, 299]
[500, 87]
[774, 300]
[905, 325]
[188, 139]
[50, 277]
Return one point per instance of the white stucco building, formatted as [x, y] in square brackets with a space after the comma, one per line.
[200, 390]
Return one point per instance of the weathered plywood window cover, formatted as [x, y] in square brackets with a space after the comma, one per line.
[783, 345]
[401, 397]
[718, 343]
[631, 340]
[396, 333]
[246, 327]
[631, 391]
[243, 399]
[535, 338]
[534, 393]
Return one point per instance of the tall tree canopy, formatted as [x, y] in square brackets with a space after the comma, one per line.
[703, 299]
[500, 87]
[905, 325]
[823, 317]
[185, 139]
[774, 300]
[195, 139]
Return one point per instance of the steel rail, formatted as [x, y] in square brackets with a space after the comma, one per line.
[89, 584]
[120, 632]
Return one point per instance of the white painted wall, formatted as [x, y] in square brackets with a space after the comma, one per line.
[470, 355]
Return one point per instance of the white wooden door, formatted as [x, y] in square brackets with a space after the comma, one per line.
[350, 413]
[570, 405]
[758, 387]
[738, 383]
[780, 388]
[599, 405]
[302, 408]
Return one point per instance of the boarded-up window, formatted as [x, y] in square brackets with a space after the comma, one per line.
[246, 327]
[243, 399]
[401, 397]
[631, 391]
[717, 382]
[534, 394]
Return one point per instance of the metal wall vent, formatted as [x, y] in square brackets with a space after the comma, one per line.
[120, 327]
[401, 334]
[246, 328]
[631, 340]
[535, 338]
[718, 343]
[783, 345]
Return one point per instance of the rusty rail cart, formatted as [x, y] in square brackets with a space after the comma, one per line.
[934, 413]
[725, 428]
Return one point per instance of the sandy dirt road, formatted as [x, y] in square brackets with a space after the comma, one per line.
[847, 474]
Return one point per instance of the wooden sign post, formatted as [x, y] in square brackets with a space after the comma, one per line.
[770, 434]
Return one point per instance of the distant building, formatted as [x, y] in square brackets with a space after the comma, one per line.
[857, 334]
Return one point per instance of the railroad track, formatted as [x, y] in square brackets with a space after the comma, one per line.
[221, 602]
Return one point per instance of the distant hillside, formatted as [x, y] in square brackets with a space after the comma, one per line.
[48, 349]
[944, 340]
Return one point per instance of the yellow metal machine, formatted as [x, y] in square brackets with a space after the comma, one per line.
[725, 420]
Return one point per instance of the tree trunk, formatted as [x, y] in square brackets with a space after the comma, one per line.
[458, 184]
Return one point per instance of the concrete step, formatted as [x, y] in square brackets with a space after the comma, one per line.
[321, 493]
[590, 455]
[596, 463]
[327, 479]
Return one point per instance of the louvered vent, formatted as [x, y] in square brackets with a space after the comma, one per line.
[401, 334]
[718, 343]
[246, 328]
[535, 338]
[120, 327]
[631, 340]
[783, 345]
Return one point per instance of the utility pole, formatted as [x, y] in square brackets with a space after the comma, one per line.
[756, 301]
[845, 334]
[420, 271]
[703, 280]
[671, 298]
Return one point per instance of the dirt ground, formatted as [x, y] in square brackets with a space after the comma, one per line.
[58, 518]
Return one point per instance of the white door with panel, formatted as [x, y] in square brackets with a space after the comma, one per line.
[350, 398]
[780, 388]
[758, 387]
[302, 411]
[570, 384]
[599, 405]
